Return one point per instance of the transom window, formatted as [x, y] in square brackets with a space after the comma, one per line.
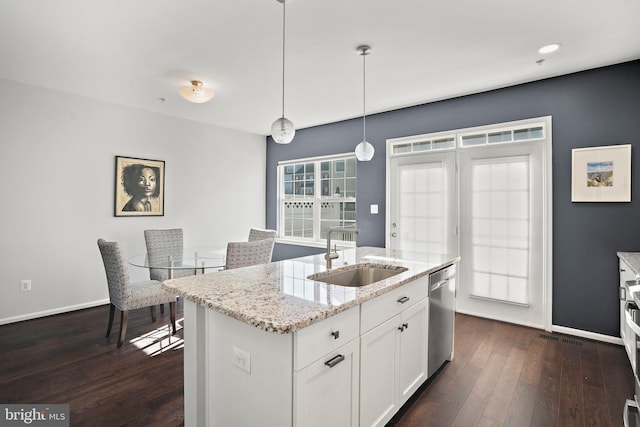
[314, 195]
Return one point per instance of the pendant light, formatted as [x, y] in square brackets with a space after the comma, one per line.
[364, 150]
[197, 93]
[282, 130]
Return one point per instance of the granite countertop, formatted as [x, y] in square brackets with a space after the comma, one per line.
[633, 261]
[278, 297]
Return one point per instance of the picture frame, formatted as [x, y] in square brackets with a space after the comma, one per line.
[139, 187]
[601, 174]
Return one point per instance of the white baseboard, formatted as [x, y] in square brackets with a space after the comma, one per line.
[561, 329]
[587, 334]
[500, 319]
[30, 316]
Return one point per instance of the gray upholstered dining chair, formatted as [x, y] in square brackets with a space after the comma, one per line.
[261, 234]
[243, 254]
[125, 295]
[160, 245]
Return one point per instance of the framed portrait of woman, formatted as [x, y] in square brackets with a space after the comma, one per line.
[139, 187]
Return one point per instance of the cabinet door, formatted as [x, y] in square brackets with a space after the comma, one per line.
[326, 392]
[625, 275]
[378, 373]
[627, 335]
[412, 358]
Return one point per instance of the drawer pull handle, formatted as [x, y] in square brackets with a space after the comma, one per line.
[334, 361]
[403, 327]
[403, 300]
[335, 334]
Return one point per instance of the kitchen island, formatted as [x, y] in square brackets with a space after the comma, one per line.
[265, 345]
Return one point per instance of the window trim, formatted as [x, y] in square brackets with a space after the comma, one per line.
[303, 241]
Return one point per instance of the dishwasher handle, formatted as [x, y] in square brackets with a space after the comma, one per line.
[435, 286]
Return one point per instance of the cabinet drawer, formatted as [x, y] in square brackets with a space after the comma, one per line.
[321, 338]
[384, 307]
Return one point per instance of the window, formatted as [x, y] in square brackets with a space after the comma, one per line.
[314, 195]
[415, 144]
[505, 135]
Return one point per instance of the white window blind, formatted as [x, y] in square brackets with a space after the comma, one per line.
[500, 214]
[422, 208]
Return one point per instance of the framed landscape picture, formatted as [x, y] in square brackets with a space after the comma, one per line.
[139, 187]
[601, 174]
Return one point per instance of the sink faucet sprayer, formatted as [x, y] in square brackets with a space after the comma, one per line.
[333, 255]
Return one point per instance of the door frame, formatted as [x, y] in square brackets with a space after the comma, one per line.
[547, 189]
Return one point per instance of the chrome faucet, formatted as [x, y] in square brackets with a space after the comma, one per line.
[333, 255]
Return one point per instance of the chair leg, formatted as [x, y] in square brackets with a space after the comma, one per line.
[153, 313]
[172, 310]
[124, 316]
[112, 310]
[161, 308]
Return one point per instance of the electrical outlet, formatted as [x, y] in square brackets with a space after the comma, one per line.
[242, 360]
[25, 285]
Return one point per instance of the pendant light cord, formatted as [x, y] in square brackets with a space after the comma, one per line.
[364, 96]
[284, 23]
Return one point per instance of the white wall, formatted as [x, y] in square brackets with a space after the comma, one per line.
[57, 174]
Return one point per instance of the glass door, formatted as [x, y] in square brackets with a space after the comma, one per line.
[423, 208]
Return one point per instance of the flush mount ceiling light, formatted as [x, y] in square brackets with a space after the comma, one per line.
[282, 130]
[197, 93]
[549, 48]
[364, 150]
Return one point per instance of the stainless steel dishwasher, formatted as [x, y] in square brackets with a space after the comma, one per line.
[442, 304]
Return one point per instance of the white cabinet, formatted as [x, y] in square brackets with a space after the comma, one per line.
[356, 368]
[412, 366]
[379, 374]
[326, 392]
[327, 372]
[627, 335]
[393, 355]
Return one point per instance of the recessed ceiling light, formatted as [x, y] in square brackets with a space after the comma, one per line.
[549, 48]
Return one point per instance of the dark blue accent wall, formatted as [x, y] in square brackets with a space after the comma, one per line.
[589, 108]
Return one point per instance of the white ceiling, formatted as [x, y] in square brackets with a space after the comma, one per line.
[134, 52]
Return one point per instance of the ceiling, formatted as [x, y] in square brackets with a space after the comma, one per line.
[140, 52]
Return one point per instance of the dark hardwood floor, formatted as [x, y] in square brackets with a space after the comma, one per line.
[507, 375]
[67, 359]
[502, 375]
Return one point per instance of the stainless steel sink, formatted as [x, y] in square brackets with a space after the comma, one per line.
[358, 274]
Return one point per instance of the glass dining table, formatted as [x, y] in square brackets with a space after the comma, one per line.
[198, 260]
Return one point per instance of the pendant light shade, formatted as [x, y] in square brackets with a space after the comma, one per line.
[197, 93]
[364, 150]
[283, 130]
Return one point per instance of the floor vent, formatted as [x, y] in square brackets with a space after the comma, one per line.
[563, 340]
[572, 342]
